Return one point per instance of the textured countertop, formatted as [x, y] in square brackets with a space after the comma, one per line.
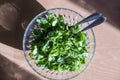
[104, 66]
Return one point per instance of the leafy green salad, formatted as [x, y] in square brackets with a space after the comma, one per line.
[57, 46]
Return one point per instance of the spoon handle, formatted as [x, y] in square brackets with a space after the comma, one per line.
[100, 20]
[90, 18]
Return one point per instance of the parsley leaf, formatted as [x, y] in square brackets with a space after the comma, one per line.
[56, 46]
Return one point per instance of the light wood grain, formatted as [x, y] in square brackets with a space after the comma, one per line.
[106, 62]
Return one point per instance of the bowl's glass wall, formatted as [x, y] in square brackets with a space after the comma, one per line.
[71, 17]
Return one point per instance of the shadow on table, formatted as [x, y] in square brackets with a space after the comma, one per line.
[13, 38]
[11, 71]
[109, 8]
[27, 10]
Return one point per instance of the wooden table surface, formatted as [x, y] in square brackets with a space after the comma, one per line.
[105, 64]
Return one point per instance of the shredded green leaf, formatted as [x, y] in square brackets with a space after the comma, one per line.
[56, 46]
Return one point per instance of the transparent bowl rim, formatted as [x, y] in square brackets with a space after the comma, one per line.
[31, 22]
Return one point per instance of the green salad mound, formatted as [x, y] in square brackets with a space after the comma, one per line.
[57, 46]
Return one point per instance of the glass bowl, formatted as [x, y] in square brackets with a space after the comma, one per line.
[71, 17]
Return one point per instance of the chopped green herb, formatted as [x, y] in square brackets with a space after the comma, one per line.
[56, 46]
